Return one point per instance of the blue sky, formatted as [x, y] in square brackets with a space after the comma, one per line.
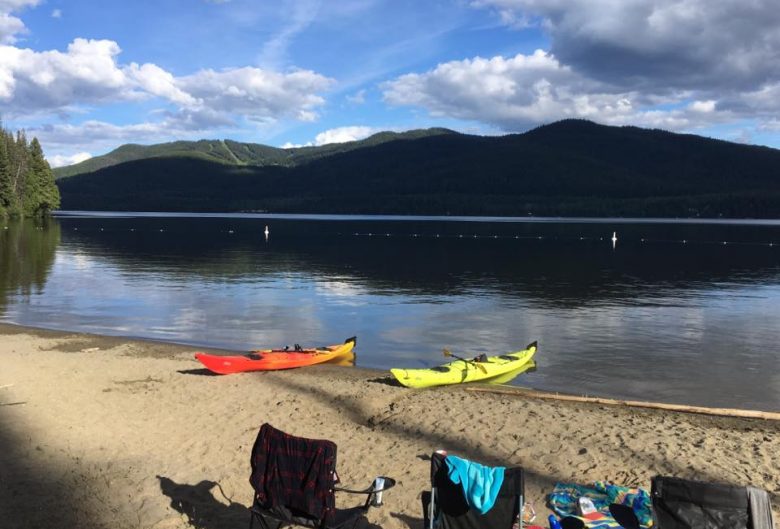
[86, 77]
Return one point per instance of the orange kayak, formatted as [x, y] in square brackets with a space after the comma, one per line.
[272, 359]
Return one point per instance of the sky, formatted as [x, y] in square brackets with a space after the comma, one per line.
[85, 77]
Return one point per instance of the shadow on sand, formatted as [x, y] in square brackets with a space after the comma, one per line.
[200, 505]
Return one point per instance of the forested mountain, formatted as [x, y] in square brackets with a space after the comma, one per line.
[567, 168]
[233, 152]
[27, 185]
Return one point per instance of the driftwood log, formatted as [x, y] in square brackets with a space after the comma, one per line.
[723, 412]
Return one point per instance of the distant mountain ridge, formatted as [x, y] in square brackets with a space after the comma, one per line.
[567, 168]
[234, 152]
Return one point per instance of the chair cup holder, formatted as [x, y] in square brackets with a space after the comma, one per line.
[381, 484]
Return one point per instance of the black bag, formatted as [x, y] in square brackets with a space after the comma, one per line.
[686, 504]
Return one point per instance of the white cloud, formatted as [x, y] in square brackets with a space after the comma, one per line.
[98, 133]
[40, 81]
[101, 136]
[10, 6]
[673, 64]
[770, 125]
[337, 135]
[49, 86]
[157, 82]
[511, 93]
[703, 106]
[290, 145]
[11, 26]
[764, 100]
[658, 44]
[343, 135]
[88, 73]
[259, 95]
[61, 161]
[520, 92]
[56, 13]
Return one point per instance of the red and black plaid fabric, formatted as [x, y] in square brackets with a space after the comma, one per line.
[294, 472]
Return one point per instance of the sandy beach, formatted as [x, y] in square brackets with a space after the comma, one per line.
[111, 432]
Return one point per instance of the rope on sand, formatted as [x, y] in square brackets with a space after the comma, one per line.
[722, 412]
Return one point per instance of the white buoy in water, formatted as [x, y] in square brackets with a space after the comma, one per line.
[614, 239]
[266, 232]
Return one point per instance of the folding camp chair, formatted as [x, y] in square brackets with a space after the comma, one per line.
[685, 504]
[294, 481]
[445, 505]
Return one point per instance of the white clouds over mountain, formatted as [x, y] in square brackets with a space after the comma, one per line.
[276, 72]
[343, 135]
[52, 80]
[88, 73]
[644, 62]
[260, 95]
[526, 90]
[337, 135]
[659, 44]
[60, 160]
[513, 92]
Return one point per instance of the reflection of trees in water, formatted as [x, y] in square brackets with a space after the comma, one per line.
[27, 249]
[549, 264]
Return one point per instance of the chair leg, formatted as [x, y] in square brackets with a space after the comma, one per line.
[262, 521]
[357, 519]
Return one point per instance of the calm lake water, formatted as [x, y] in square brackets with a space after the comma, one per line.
[676, 311]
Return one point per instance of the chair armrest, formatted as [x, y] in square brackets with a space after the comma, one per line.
[373, 493]
[389, 484]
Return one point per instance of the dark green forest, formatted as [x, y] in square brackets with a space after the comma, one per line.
[27, 187]
[568, 168]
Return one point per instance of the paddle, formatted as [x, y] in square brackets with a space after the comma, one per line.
[479, 366]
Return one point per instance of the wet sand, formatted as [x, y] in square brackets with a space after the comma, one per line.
[112, 432]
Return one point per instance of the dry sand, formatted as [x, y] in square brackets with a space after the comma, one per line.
[118, 433]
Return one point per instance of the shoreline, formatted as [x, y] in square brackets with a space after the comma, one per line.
[105, 341]
[100, 430]
[448, 218]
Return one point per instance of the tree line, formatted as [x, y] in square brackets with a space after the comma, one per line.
[27, 187]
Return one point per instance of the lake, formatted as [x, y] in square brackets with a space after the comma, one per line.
[677, 311]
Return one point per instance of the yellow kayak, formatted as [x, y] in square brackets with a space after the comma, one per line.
[511, 375]
[465, 370]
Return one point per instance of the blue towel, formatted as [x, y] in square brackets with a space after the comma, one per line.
[480, 483]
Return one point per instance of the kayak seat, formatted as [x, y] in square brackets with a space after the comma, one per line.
[295, 479]
[509, 358]
[445, 506]
[440, 369]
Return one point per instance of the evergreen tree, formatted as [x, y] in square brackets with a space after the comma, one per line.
[6, 192]
[41, 193]
[19, 161]
[27, 184]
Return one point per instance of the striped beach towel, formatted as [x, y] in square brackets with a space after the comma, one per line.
[565, 496]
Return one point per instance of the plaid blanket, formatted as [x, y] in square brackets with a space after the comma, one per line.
[294, 472]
